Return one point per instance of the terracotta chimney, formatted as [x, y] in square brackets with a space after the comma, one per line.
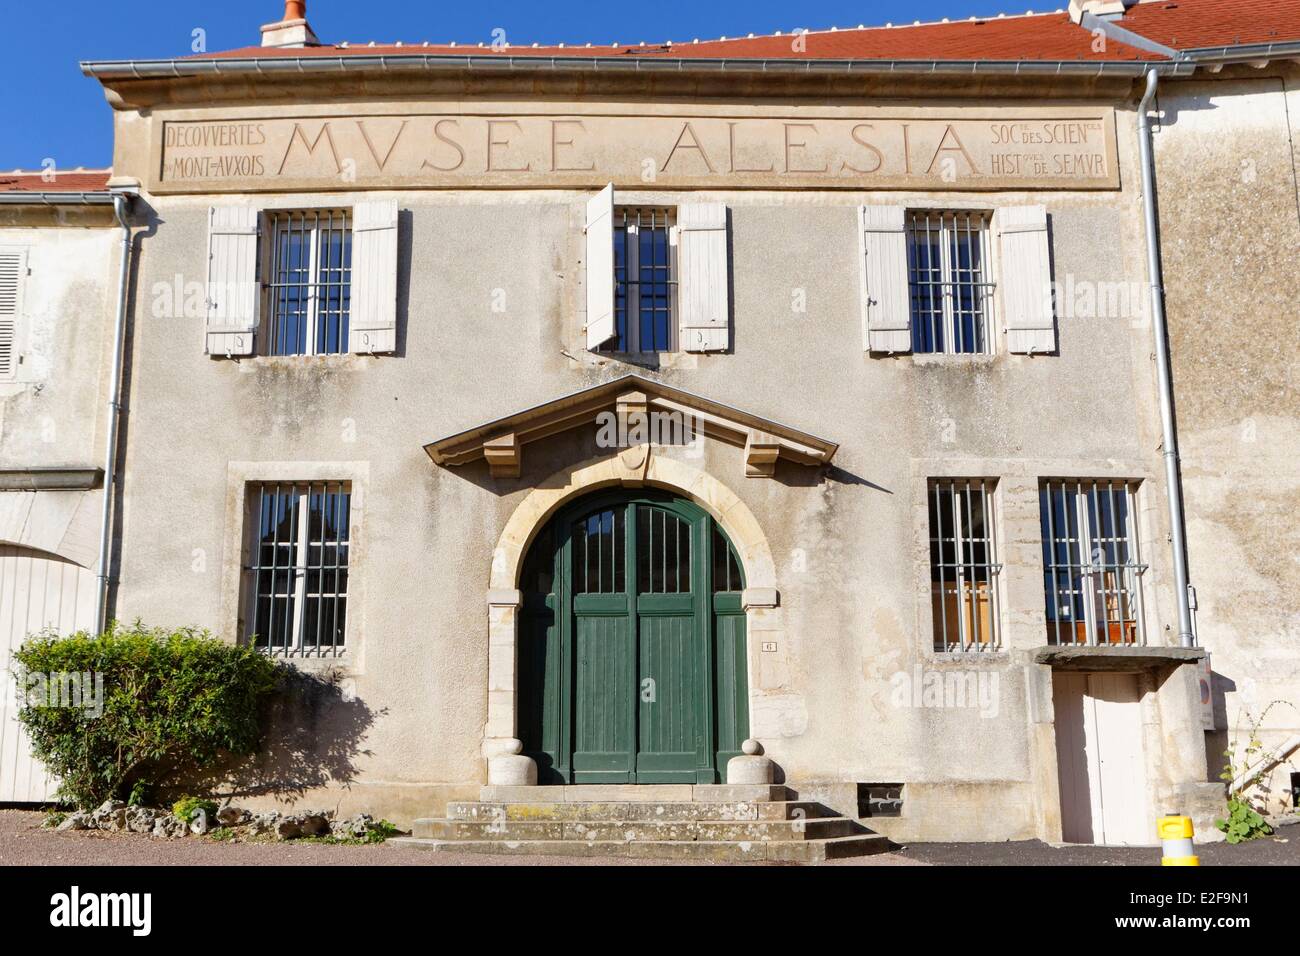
[292, 30]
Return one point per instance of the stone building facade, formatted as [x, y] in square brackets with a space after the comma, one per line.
[605, 416]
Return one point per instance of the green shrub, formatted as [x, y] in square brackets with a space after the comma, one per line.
[186, 807]
[174, 702]
[1241, 774]
[1243, 823]
[380, 831]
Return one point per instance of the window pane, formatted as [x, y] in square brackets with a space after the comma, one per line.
[1090, 570]
[598, 543]
[621, 341]
[925, 278]
[309, 293]
[947, 281]
[642, 281]
[298, 567]
[663, 552]
[962, 566]
[726, 568]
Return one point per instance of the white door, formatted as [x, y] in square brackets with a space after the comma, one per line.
[1099, 759]
[37, 590]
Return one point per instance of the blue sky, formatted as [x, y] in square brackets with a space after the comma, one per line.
[54, 112]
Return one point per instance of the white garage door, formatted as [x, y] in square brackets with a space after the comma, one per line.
[37, 590]
[1099, 758]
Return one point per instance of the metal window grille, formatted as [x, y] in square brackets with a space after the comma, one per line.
[963, 566]
[726, 566]
[644, 280]
[948, 277]
[298, 575]
[1091, 564]
[309, 295]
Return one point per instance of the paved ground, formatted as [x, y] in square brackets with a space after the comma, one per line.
[24, 843]
[1282, 850]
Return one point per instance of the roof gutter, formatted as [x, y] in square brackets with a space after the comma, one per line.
[361, 63]
[33, 198]
[1242, 52]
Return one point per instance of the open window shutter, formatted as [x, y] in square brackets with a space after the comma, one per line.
[600, 268]
[886, 295]
[372, 321]
[13, 273]
[1026, 288]
[704, 281]
[233, 292]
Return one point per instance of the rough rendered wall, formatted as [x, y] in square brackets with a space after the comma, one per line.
[51, 412]
[1226, 154]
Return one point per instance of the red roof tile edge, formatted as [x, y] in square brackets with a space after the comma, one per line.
[75, 181]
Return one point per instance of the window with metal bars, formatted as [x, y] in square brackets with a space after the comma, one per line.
[310, 287]
[297, 578]
[1091, 565]
[949, 280]
[963, 566]
[645, 280]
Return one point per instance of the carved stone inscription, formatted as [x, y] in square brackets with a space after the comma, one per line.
[961, 151]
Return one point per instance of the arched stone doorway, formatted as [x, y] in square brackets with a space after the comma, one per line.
[631, 650]
[758, 601]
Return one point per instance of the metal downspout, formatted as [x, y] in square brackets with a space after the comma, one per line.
[121, 201]
[1169, 437]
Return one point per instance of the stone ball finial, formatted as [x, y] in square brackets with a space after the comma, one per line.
[751, 747]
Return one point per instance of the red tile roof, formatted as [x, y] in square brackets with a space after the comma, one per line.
[1182, 24]
[1189, 24]
[1049, 36]
[76, 181]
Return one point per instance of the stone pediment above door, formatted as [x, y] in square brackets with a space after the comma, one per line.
[637, 413]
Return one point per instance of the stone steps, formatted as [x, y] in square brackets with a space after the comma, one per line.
[638, 810]
[702, 851]
[626, 831]
[703, 823]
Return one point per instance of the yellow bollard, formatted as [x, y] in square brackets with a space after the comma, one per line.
[1176, 835]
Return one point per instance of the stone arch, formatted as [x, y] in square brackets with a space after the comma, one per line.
[669, 474]
[634, 468]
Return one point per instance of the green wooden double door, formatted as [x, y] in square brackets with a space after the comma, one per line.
[632, 645]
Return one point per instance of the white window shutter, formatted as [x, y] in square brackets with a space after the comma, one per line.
[233, 294]
[1026, 286]
[704, 281]
[13, 276]
[886, 295]
[600, 268]
[372, 322]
